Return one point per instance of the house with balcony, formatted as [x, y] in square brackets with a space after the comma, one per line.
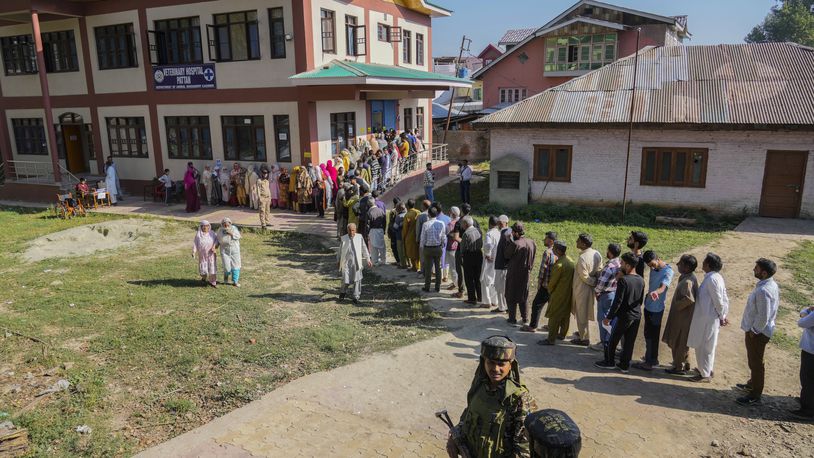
[158, 83]
[585, 37]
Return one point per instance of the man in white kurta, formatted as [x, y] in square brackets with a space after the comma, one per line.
[589, 265]
[709, 315]
[487, 276]
[112, 182]
[352, 257]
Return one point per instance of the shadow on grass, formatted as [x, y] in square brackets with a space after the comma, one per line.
[553, 212]
[171, 282]
[293, 297]
[27, 210]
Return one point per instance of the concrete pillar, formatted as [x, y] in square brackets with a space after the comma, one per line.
[46, 97]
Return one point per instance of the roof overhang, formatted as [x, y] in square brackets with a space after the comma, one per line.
[378, 81]
[584, 20]
[655, 17]
[424, 7]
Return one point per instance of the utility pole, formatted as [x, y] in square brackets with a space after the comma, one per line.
[630, 124]
[464, 47]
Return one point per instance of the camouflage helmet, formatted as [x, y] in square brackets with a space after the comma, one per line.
[498, 348]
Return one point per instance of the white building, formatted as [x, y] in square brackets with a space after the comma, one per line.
[726, 127]
[158, 83]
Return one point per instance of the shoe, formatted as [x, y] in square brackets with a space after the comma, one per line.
[605, 365]
[437, 290]
[802, 414]
[624, 370]
[471, 302]
[527, 329]
[452, 287]
[643, 366]
[237, 285]
[544, 342]
[484, 306]
[699, 379]
[426, 290]
[355, 301]
[512, 322]
[743, 387]
[544, 328]
[341, 296]
[686, 367]
[748, 401]
[581, 343]
[674, 371]
[597, 347]
[458, 295]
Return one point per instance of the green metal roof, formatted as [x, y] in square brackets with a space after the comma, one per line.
[347, 69]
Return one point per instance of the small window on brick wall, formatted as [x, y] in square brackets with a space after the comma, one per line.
[552, 163]
[508, 180]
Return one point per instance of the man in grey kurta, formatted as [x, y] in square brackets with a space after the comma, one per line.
[352, 257]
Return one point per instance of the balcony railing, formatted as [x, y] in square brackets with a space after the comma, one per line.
[35, 172]
[436, 153]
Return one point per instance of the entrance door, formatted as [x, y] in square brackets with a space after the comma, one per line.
[382, 114]
[783, 181]
[74, 156]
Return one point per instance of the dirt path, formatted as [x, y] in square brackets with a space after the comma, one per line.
[384, 405]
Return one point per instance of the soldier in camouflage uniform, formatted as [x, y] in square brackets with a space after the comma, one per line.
[492, 425]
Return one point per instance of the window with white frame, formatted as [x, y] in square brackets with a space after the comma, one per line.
[512, 94]
[407, 47]
[419, 49]
[579, 52]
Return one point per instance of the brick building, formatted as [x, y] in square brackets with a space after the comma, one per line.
[585, 37]
[726, 127]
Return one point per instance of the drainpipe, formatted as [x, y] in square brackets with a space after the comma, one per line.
[46, 97]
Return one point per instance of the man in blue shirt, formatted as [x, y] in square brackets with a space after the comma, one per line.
[661, 274]
[758, 324]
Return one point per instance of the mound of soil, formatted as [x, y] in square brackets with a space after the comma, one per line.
[90, 239]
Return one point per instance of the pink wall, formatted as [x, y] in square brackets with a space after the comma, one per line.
[510, 72]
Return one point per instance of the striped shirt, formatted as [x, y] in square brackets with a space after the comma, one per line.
[607, 278]
[433, 233]
[429, 178]
[549, 258]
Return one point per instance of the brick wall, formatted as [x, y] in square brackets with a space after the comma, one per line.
[734, 169]
[472, 145]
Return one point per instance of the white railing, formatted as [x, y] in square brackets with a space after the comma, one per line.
[68, 178]
[2, 172]
[406, 167]
[30, 172]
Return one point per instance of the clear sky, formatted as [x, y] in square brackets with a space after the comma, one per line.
[485, 21]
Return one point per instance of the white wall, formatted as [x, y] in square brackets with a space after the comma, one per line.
[381, 52]
[141, 168]
[214, 112]
[324, 110]
[118, 79]
[734, 169]
[265, 72]
[340, 9]
[414, 28]
[64, 83]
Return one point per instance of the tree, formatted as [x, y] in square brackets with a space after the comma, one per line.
[789, 20]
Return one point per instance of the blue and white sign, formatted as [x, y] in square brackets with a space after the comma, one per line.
[194, 76]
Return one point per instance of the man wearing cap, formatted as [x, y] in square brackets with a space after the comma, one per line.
[500, 263]
[352, 258]
[552, 433]
[520, 252]
[492, 425]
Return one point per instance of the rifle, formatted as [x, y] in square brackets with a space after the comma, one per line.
[455, 433]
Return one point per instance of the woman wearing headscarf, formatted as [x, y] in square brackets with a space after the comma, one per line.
[292, 188]
[229, 240]
[329, 185]
[346, 159]
[191, 188]
[203, 248]
[283, 181]
[334, 175]
[274, 185]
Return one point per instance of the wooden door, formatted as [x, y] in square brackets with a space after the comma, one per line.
[74, 157]
[783, 181]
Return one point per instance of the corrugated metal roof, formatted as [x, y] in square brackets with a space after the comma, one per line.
[741, 84]
[516, 35]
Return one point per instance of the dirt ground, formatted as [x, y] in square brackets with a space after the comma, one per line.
[91, 238]
[385, 404]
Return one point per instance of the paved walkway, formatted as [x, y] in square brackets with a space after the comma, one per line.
[384, 405]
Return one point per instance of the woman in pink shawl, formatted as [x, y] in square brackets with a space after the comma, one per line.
[204, 248]
[274, 185]
[333, 173]
[191, 188]
[329, 185]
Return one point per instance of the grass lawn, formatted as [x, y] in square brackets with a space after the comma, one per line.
[794, 296]
[150, 353]
[603, 223]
